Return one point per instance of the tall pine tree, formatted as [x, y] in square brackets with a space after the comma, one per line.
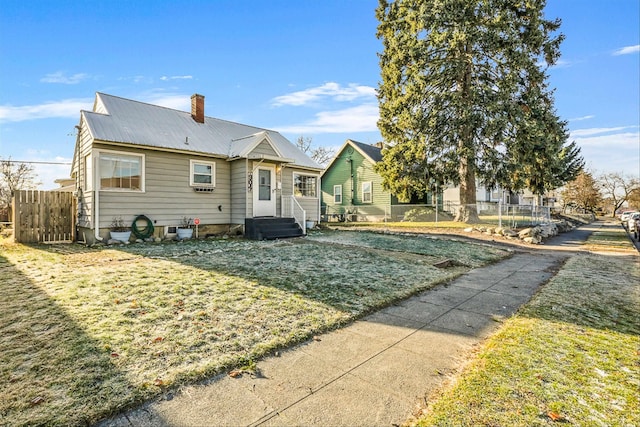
[464, 96]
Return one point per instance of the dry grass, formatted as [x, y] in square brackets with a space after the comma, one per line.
[87, 332]
[570, 356]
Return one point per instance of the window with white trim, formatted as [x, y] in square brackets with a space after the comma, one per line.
[203, 174]
[337, 194]
[120, 171]
[305, 185]
[367, 196]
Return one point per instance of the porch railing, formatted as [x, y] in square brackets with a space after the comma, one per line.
[291, 209]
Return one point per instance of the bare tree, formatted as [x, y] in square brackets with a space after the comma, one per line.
[15, 176]
[320, 155]
[617, 188]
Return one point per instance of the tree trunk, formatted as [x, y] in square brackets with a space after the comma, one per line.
[467, 212]
[467, 171]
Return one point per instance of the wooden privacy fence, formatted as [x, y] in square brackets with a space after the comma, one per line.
[43, 216]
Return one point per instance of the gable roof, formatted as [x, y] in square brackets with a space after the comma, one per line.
[370, 152]
[125, 121]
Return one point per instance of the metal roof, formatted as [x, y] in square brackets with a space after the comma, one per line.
[137, 123]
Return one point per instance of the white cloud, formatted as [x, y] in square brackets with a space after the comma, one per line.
[614, 149]
[176, 101]
[626, 139]
[59, 77]
[48, 173]
[333, 91]
[597, 131]
[627, 50]
[579, 119]
[66, 108]
[362, 118]
[166, 78]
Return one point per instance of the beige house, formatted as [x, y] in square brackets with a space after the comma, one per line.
[133, 158]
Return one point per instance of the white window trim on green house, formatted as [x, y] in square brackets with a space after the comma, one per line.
[367, 190]
[119, 159]
[303, 189]
[202, 174]
[337, 194]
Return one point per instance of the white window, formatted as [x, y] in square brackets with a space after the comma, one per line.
[203, 174]
[305, 185]
[366, 192]
[88, 172]
[337, 194]
[120, 171]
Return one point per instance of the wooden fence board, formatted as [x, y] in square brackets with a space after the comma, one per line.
[43, 216]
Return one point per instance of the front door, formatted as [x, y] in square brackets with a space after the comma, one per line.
[264, 191]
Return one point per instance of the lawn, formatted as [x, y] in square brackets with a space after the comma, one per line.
[88, 332]
[570, 356]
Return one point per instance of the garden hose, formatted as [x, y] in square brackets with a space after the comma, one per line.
[145, 232]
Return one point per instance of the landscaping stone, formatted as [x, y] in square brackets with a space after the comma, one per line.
[508, 233]
[527, 232]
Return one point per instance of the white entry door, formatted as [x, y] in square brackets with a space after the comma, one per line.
[264, 191]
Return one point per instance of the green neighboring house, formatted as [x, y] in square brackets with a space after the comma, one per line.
[352, 190]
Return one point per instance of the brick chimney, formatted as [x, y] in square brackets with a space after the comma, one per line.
[197, 107]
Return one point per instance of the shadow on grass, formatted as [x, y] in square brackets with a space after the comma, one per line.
[51, 372]
[268, 295]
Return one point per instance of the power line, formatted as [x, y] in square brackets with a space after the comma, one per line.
[36, 163]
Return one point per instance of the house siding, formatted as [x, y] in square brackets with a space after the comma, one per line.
[239, 191]
[309, 204]
[168, 197]
[85, 196]
[264, 148]
[339, 173]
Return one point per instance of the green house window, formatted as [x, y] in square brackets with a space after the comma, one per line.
[337, 194]
[366, 192]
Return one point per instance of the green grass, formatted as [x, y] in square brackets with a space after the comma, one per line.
[572, 354]
[612, 237]
[88, 332]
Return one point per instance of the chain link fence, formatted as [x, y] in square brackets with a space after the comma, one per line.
[497, 214]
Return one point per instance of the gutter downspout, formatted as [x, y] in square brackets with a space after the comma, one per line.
[96, 198]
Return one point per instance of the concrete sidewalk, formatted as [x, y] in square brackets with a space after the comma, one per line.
[374, 372]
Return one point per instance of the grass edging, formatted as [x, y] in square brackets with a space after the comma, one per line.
[570, 355]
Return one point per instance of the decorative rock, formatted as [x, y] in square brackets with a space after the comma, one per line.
[547, 230]
[527, 232]
[509, 233]
[468, 230]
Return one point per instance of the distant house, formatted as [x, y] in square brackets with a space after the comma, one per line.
[133, 158]
[352, 189]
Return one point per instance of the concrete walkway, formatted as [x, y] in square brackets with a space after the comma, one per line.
[375, 372]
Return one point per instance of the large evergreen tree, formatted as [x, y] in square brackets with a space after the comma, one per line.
[464, 96]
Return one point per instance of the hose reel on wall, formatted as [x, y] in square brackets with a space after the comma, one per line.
[145, 232]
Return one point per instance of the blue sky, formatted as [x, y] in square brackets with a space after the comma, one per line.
[305, 68]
